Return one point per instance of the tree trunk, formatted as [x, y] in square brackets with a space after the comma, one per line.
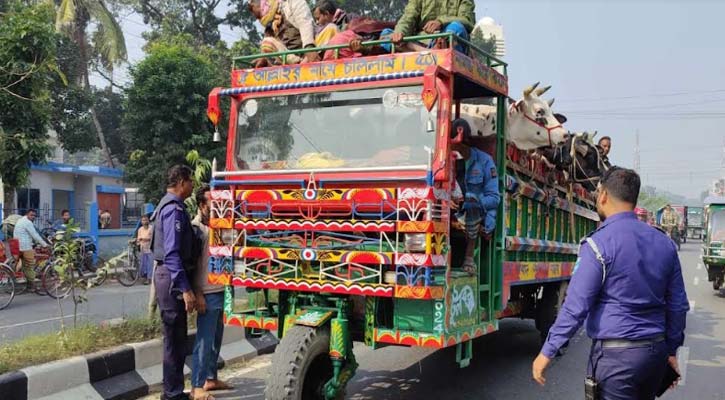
[81, 40]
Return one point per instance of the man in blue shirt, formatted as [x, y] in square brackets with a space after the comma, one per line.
[171, 245]
[27, 235]
[628, 284]
[480, 185]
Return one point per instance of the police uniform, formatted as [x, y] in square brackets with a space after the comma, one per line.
[171, 244]
[628, 285]
[480, 185]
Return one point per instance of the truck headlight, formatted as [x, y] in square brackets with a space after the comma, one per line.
[415, 242]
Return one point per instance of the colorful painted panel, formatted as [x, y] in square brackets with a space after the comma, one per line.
[418, 292]
[251, 321]
[325, 225]
[515, 272]
[317, 286]
[349, 68]
[424, 339]
[462, 303]
[544, 246]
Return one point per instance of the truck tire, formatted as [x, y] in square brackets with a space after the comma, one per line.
[301, 365]
[546, 310]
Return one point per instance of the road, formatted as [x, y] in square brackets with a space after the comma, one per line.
[33, 314]
[501, 368]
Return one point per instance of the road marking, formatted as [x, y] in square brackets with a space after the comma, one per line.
[692, 307]
[683, 357]
[37, 322]
[696, 281]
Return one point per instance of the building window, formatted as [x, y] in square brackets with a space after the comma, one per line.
[28, 198]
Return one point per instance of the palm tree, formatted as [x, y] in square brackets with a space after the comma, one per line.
[109, 46]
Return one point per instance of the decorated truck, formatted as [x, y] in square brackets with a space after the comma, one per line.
[334, 210]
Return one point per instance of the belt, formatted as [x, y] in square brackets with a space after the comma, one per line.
[621, 343]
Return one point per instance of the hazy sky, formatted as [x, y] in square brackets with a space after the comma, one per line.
[657, 67]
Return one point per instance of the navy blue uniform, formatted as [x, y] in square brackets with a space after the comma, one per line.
[172, 242]
[636, 301]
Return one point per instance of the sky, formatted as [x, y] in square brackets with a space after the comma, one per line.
[617, 67]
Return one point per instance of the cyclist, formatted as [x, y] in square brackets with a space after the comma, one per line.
[27, 235]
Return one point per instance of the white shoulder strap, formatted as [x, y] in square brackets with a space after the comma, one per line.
[598, 254]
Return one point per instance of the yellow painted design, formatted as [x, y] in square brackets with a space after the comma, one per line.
[554, 270]
[527, 272]
[347, 68]
[439, 243]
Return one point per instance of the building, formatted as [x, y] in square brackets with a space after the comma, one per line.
[490, 28]
[54, 187]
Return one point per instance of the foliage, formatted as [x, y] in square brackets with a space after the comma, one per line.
[389, 10]
[39, 349]
[106, 47]
[66, 259]
[27, 68]
[487, 45]
[166, 113]
[202, 171]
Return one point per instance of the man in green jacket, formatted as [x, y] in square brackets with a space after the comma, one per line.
[434, 16]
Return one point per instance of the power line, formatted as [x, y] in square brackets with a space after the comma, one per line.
[683, 93]
[650, 107]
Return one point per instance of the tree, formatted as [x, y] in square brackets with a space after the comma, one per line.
[480, 41]
[166, 113]
[27, 67]
[107, 46]
[389, 10]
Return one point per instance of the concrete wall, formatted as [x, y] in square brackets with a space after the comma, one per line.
[110, 246]
[46, 182]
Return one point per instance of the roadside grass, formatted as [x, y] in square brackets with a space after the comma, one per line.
[39, 349]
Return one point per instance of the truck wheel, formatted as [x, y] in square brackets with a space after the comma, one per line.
[549, 306]
[301, 365]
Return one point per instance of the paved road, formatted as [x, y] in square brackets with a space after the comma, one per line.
[502, 361]
[33, 314]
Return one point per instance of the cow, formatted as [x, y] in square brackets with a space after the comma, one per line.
[530, 123]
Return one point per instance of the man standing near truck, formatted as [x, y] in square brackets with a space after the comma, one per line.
[628, 284]
[171, 244]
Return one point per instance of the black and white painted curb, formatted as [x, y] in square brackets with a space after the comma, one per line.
[125, 372]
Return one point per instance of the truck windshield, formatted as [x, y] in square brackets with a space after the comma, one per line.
[385, 127]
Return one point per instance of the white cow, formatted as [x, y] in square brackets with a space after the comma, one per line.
[530, 123]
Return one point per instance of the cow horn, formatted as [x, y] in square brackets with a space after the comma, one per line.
[551, 102]
[542, 90]
[528, 90]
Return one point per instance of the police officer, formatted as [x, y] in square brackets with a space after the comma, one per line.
[628, 283]
[171, 244]
[482, 196]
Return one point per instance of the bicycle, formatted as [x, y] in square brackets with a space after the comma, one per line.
[85, 261]
[130, 270]
[12, 281]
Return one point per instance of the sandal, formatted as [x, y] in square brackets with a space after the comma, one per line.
[469, 266]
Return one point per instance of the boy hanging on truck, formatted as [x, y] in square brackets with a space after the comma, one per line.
[477, 178]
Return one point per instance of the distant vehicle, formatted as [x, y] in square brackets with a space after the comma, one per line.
[678, 235]
[694, 222]
[713, 244]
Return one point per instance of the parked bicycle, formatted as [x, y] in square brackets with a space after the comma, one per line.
[86, 264]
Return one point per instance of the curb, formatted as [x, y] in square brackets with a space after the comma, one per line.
[124, 372]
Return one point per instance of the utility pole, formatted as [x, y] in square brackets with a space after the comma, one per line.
[636, 151]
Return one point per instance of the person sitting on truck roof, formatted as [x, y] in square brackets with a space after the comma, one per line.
[604, 146]
[431, 16]
[288, 25]
[480, 187]
[330, 20]
[358, 30]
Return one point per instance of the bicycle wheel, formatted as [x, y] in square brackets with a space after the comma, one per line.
[7, 286]
[56, 287]
[101, 271]
[128, 274]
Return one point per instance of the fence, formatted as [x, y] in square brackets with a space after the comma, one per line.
[46, 217]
